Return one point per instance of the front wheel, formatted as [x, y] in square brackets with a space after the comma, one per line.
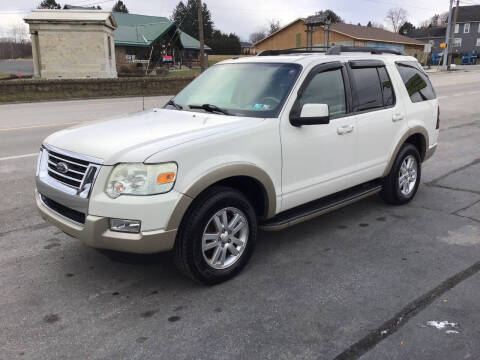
[217, 236]
[401, 184]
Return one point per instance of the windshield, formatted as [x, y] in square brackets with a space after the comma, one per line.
[250, 89]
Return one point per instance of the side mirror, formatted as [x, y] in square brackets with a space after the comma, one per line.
[312, 114]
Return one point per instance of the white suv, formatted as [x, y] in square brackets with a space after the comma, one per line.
[265, 141]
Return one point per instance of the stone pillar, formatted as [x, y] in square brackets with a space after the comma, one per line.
[35, 54]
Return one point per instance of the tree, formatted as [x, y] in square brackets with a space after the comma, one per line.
[331, 15]
[49, 4]
[120, 7]
[19, 33]
[186, 18]
[396, 17]
[377, 25]
[257, 36]
[224, 44]
[273, 25]
[369, 24]
[406, 28]
[438, 20]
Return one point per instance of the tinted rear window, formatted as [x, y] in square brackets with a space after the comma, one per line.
[417, 83]
[369, 90]
[387, 88]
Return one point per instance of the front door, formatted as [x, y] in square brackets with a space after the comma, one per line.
[319, 159]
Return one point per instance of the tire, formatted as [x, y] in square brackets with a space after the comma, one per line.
[204, 236]
[392, 191]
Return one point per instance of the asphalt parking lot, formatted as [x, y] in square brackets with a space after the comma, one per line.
[368, 281]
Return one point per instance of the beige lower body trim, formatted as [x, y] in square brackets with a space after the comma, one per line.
[411, 131]
[429, 153]
[96, 233]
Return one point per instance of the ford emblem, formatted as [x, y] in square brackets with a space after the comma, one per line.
[62, 167]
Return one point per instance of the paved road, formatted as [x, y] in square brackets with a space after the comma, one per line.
[14, 66]
[364, 281]
[24, 126]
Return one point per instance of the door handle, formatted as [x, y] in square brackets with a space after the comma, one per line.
[346, 129]
[397, 117]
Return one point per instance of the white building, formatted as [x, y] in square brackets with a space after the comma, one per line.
[70, 44]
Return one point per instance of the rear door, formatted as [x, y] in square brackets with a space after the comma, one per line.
[381, 118]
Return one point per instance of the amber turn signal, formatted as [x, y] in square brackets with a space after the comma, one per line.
[166, 177]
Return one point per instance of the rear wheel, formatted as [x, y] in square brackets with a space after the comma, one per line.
[401, 184]
[217, 236]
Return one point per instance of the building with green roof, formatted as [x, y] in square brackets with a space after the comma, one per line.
[142, 38]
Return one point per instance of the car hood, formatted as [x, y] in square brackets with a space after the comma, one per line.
[136, 137]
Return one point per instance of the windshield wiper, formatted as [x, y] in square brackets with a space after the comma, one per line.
[210, 108]
[174, 104]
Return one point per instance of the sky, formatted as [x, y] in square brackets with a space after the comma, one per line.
[246, 16]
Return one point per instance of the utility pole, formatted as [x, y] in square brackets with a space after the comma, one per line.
[447, 37]
[452, 31]
[200, 33]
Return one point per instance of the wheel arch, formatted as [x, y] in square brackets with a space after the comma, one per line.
[417, 136]
[248, 178]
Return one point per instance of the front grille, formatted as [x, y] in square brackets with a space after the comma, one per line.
[64, 211]
[71, 172]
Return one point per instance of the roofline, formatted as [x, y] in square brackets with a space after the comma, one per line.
[429, 37]
[376, 40]
[68, 11]
[283, 27]
[150, 42]
[72, 10]
[337, 31]
[132, 44]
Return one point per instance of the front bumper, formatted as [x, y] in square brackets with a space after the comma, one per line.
[96, 233]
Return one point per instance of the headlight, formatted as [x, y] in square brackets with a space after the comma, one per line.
[41, 163]
[141, 179]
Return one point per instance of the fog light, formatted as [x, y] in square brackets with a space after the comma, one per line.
[123, 225]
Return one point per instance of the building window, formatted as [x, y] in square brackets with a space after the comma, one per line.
[457, 42]
[479, 27]
[457, 28]
[466, 28]
[478, 42]
[298, 40]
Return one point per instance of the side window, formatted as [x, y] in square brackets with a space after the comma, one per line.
[369, 90]
[326, 88]
[417, 83]
[387, 88]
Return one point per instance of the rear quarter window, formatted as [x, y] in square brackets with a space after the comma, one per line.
[416, 82]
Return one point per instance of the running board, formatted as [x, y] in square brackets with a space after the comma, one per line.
[321, 206]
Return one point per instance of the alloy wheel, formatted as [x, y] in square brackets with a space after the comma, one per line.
[225, 238]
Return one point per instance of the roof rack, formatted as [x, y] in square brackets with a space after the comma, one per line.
[337, 50]
[333, 50]
[310, 49]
